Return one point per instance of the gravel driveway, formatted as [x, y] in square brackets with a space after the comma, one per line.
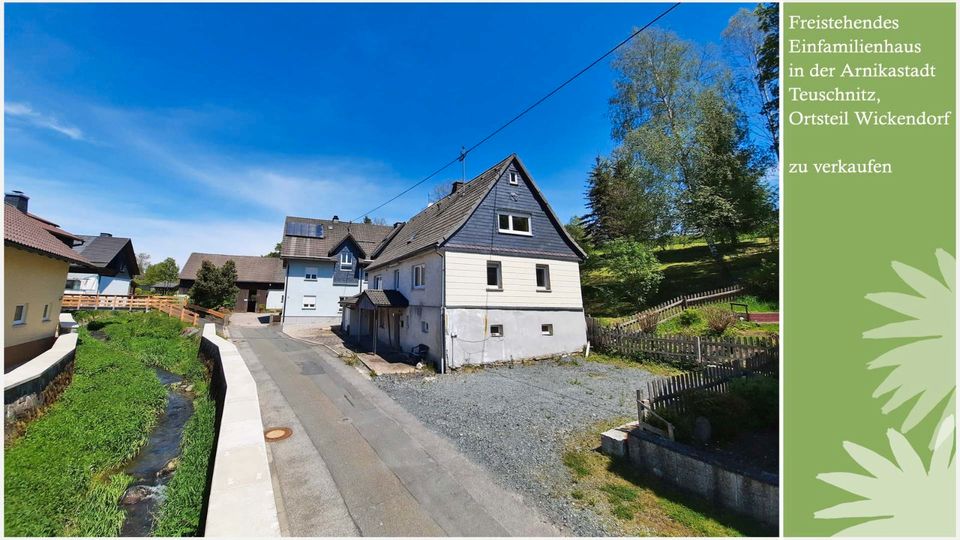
[515, 420]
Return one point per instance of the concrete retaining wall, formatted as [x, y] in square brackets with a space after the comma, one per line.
[241, 500]
[750, 492]
[36, 384]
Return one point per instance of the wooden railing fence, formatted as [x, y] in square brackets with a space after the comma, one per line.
[747, 352]
[170, 305]
[672, 308]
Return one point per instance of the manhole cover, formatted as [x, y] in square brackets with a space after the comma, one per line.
[277, 434]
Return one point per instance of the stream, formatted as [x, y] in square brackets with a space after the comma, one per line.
[148, 468]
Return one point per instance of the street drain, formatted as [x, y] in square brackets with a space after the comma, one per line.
[277, 434]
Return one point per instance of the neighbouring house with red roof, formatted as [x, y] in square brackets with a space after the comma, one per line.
[37, 256]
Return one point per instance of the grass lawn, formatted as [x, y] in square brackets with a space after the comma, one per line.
[641, 506]
[64, 476]
[693, 322]
[657, 368]
[687, 268]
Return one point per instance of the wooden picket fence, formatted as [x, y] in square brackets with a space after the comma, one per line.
[72, 302]
[672, 308]
[747, 352]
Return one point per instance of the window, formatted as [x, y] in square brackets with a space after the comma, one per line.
[20, 314]
[494, 275]
[496, 330]
[418, 277]
[543, 277]
[424, 327]
[546, 329]
[310, 273]
[73, 284]
[514, 224]
[309, 302]
[346, 260]
[514, 178]
[378, 282]
[46, 312]
[396, 279]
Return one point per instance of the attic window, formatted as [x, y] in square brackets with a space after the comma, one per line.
[346, 260]
[514, 224]
[514, 178]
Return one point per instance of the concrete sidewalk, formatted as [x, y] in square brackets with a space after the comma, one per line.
[358, 463]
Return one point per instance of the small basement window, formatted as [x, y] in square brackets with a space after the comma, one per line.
[546, 329]
[496, 330]
[494, 275]
[310, 302]
[310, 273]
[20, 314]
[46, 312]
[514, 224]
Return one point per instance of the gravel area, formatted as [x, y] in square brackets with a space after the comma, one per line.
[515, 421]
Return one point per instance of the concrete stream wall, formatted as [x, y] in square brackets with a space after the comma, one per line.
[241, 501]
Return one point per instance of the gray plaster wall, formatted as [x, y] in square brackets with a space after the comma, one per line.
[469, 340]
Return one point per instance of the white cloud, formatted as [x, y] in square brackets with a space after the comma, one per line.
[35, 118]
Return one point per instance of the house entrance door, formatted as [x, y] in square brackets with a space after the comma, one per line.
[252, 300]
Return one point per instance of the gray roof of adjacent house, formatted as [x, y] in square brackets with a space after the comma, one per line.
[250, 268]
[438, 222]
[379, 298]
[307, 238]
[104, 249]
[29, 232]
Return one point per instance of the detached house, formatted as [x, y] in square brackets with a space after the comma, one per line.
[324, 260]
[37, 255]
[487, 273]
[114, 266]
[259, 279]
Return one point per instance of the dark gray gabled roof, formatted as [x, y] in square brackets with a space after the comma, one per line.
[379, 298]
[367, 236]
[102, 250]
[439, 221]
[250, 268]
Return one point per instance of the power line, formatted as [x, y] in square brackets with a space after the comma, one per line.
[463, 153]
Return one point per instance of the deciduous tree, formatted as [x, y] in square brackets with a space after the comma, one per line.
[215, 287]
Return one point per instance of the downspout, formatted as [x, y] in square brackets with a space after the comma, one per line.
[443, 312]
[286, 294]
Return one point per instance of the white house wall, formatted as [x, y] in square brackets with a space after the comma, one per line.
[89, 283]
[467, 282]
[275, 299]
[119, 284]
[328, 295]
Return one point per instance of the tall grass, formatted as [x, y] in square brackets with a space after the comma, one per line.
[62, 477]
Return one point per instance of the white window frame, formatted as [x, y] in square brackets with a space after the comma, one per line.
[396, 279]
[312, 306]
[79, 283]
[496, 330]
[499, 284]
[511, 229]
[23, 315]
[514, 178]
[546, 275]
[418, 271]
[346, 260]
[546, 329]
[377, 282]
[46, 313]
[310, 273]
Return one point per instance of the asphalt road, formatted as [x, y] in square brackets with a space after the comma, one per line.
[358, 463]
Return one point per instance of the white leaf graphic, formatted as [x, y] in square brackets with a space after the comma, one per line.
[902, 497]
[922, 367]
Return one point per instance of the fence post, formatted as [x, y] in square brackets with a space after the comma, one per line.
[699, 350]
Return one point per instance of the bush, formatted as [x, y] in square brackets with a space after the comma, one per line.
[764, 281]
[689, 318]
[763, 396]
[719, 319]
[726, 412]
[648, 323]
[637, 267]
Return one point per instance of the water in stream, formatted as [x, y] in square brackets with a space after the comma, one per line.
[162, 446]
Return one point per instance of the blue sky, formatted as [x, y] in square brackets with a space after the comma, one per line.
[199, 127]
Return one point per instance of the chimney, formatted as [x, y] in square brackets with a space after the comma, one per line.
[17, 199]
[456, 186]
[108, 235]
[397, 224]
[336, 219]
